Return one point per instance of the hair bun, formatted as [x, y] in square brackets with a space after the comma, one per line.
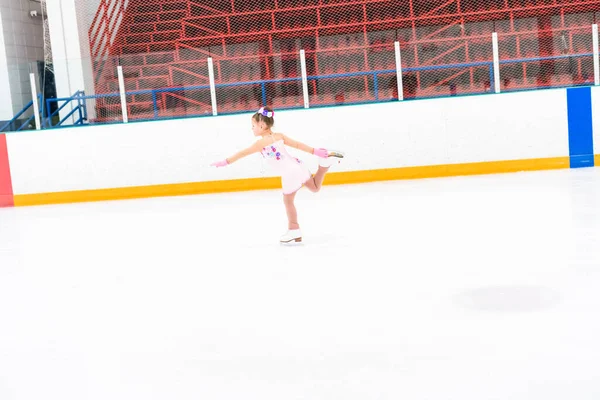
[264, 112]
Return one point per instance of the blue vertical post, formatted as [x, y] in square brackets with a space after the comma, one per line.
[154, 104]
[376, 86]
[80, 103]
[581, 131]
[492, 80]
[40, 101]
[85, 113]
[264, 93]
[50, 114]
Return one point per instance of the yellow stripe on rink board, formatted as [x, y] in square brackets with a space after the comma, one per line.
[438, 171]
[333, 178]
[597, 160]
[179, 189]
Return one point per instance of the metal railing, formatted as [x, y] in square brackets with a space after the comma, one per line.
[75, 110]
[27, 121]
[78, 113]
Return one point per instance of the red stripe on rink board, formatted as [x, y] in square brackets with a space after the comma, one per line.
[6, 190]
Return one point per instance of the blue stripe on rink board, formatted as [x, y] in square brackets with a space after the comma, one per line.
[581, 131]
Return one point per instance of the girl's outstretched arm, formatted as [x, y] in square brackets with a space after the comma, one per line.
[255, 148]
[297, 145]
[301, 146]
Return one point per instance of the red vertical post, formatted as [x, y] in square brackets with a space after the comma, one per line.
[365, 37]
[545, 47]
[318, 17]
[415, 48]
[512, 20]
[366, 49]
[6, 189]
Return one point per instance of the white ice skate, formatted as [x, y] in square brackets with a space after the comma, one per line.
[292, 236]
[333, 158]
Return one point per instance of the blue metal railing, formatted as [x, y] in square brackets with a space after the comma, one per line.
[536, 59]
[80, 109]
[23, 111]
[79, 112]
[374, 74]
[263, 83]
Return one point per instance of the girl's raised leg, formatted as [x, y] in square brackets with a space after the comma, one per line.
[315, 183]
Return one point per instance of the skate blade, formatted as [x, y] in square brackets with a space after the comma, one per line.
[336, 154]
[292, 242]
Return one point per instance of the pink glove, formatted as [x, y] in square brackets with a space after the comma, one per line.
[323, 153]
[219, 164]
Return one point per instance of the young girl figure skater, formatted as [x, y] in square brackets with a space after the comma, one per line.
[294, 173]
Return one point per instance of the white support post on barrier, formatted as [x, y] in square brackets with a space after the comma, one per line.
[496, 62]
[399, 70]
[213, 90]
[596, 54]
[123, 95]
[36, 105]
[304, 78]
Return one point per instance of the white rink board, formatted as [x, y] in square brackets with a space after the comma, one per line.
[390, 135]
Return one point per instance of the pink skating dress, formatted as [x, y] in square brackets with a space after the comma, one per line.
[294, 173]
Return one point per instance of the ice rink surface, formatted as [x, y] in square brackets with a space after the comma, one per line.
[467, 288]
